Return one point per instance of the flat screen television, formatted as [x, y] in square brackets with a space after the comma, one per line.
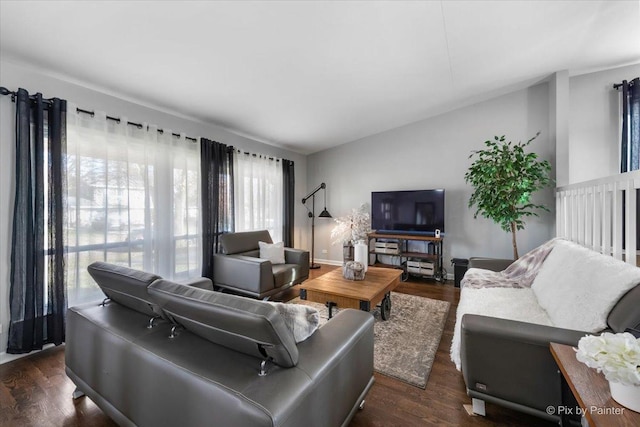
[408, 212]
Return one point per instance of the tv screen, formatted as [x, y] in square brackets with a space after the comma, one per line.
[412, 212]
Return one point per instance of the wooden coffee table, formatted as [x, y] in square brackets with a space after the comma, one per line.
[333, 290]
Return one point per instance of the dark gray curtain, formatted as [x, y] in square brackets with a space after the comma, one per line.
[289, 182]
[40, 143]
[630, 156]
[216, 168]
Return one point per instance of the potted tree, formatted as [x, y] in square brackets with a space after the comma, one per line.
[504, 177]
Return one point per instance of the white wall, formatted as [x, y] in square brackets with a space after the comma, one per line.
[433, 153]
[14, 76]
[594, 127]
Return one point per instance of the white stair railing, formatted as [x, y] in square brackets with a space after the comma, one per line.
[591, 213]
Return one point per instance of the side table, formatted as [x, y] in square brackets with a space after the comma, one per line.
[591, 390]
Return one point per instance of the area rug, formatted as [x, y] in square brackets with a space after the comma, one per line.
[406, 344]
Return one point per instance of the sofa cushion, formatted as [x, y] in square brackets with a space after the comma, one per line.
[233, 243]
[125, 286]
[301, 320]
[254, 254]
[274, 252]
[579, 287]
[242, 324]
[505, 303]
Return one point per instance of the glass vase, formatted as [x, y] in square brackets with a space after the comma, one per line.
[347, 252]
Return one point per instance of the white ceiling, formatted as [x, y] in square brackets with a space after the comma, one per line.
[311, 75]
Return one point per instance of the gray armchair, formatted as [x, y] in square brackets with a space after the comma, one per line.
[239, 269]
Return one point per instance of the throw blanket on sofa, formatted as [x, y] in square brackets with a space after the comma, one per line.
[504, 303]
[520, 274]
[578, 287]
[574, 288]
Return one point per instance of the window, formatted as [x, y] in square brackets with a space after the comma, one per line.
[258, 194]
[133, 199]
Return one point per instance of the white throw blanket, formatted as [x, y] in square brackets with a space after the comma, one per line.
[574, 288]
[505, 303]
[520, 274]
[578, 287]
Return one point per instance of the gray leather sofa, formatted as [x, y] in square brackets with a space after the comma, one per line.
[508, 362]
[239, 268]
[493, 264]
[201, 362]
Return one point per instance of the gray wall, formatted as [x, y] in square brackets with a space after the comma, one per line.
[594, 126]
[433, 153]
[581, 113]
[14, 76]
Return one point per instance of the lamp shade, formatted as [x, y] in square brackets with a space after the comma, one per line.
[325, 214]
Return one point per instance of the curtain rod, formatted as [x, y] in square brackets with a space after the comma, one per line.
[619, 85]
[256, 155]
[5, 91]
[138, 125]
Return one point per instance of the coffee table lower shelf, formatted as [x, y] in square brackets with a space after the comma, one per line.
[334, 301]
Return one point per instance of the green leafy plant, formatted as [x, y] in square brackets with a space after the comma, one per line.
[504, 177]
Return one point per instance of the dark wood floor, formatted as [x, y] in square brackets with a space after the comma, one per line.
[34, 391]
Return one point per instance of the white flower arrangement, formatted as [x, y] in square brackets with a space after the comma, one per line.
[352, 227]
[617, 356]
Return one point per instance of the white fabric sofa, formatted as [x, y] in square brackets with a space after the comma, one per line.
[505, 320]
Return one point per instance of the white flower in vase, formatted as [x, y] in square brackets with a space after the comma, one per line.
[352, 227]
[617, 356]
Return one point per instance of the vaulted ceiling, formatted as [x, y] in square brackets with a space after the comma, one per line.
[311, 75]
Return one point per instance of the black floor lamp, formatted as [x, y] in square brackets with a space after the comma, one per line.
[312, 214]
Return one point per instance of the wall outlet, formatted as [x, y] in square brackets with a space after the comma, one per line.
[324, 251]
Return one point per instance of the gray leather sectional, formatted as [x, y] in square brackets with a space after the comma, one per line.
[209, 373]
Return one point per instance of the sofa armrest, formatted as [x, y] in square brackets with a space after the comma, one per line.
[199, 282]
[337, 358]
[493, 264]
[298, 256]
[510, 361]
[254, 275]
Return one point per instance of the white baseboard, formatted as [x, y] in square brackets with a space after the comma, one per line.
[7, 357]
[327, 261]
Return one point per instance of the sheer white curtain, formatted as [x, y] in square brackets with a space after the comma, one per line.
[258, 193]
[133, 199]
